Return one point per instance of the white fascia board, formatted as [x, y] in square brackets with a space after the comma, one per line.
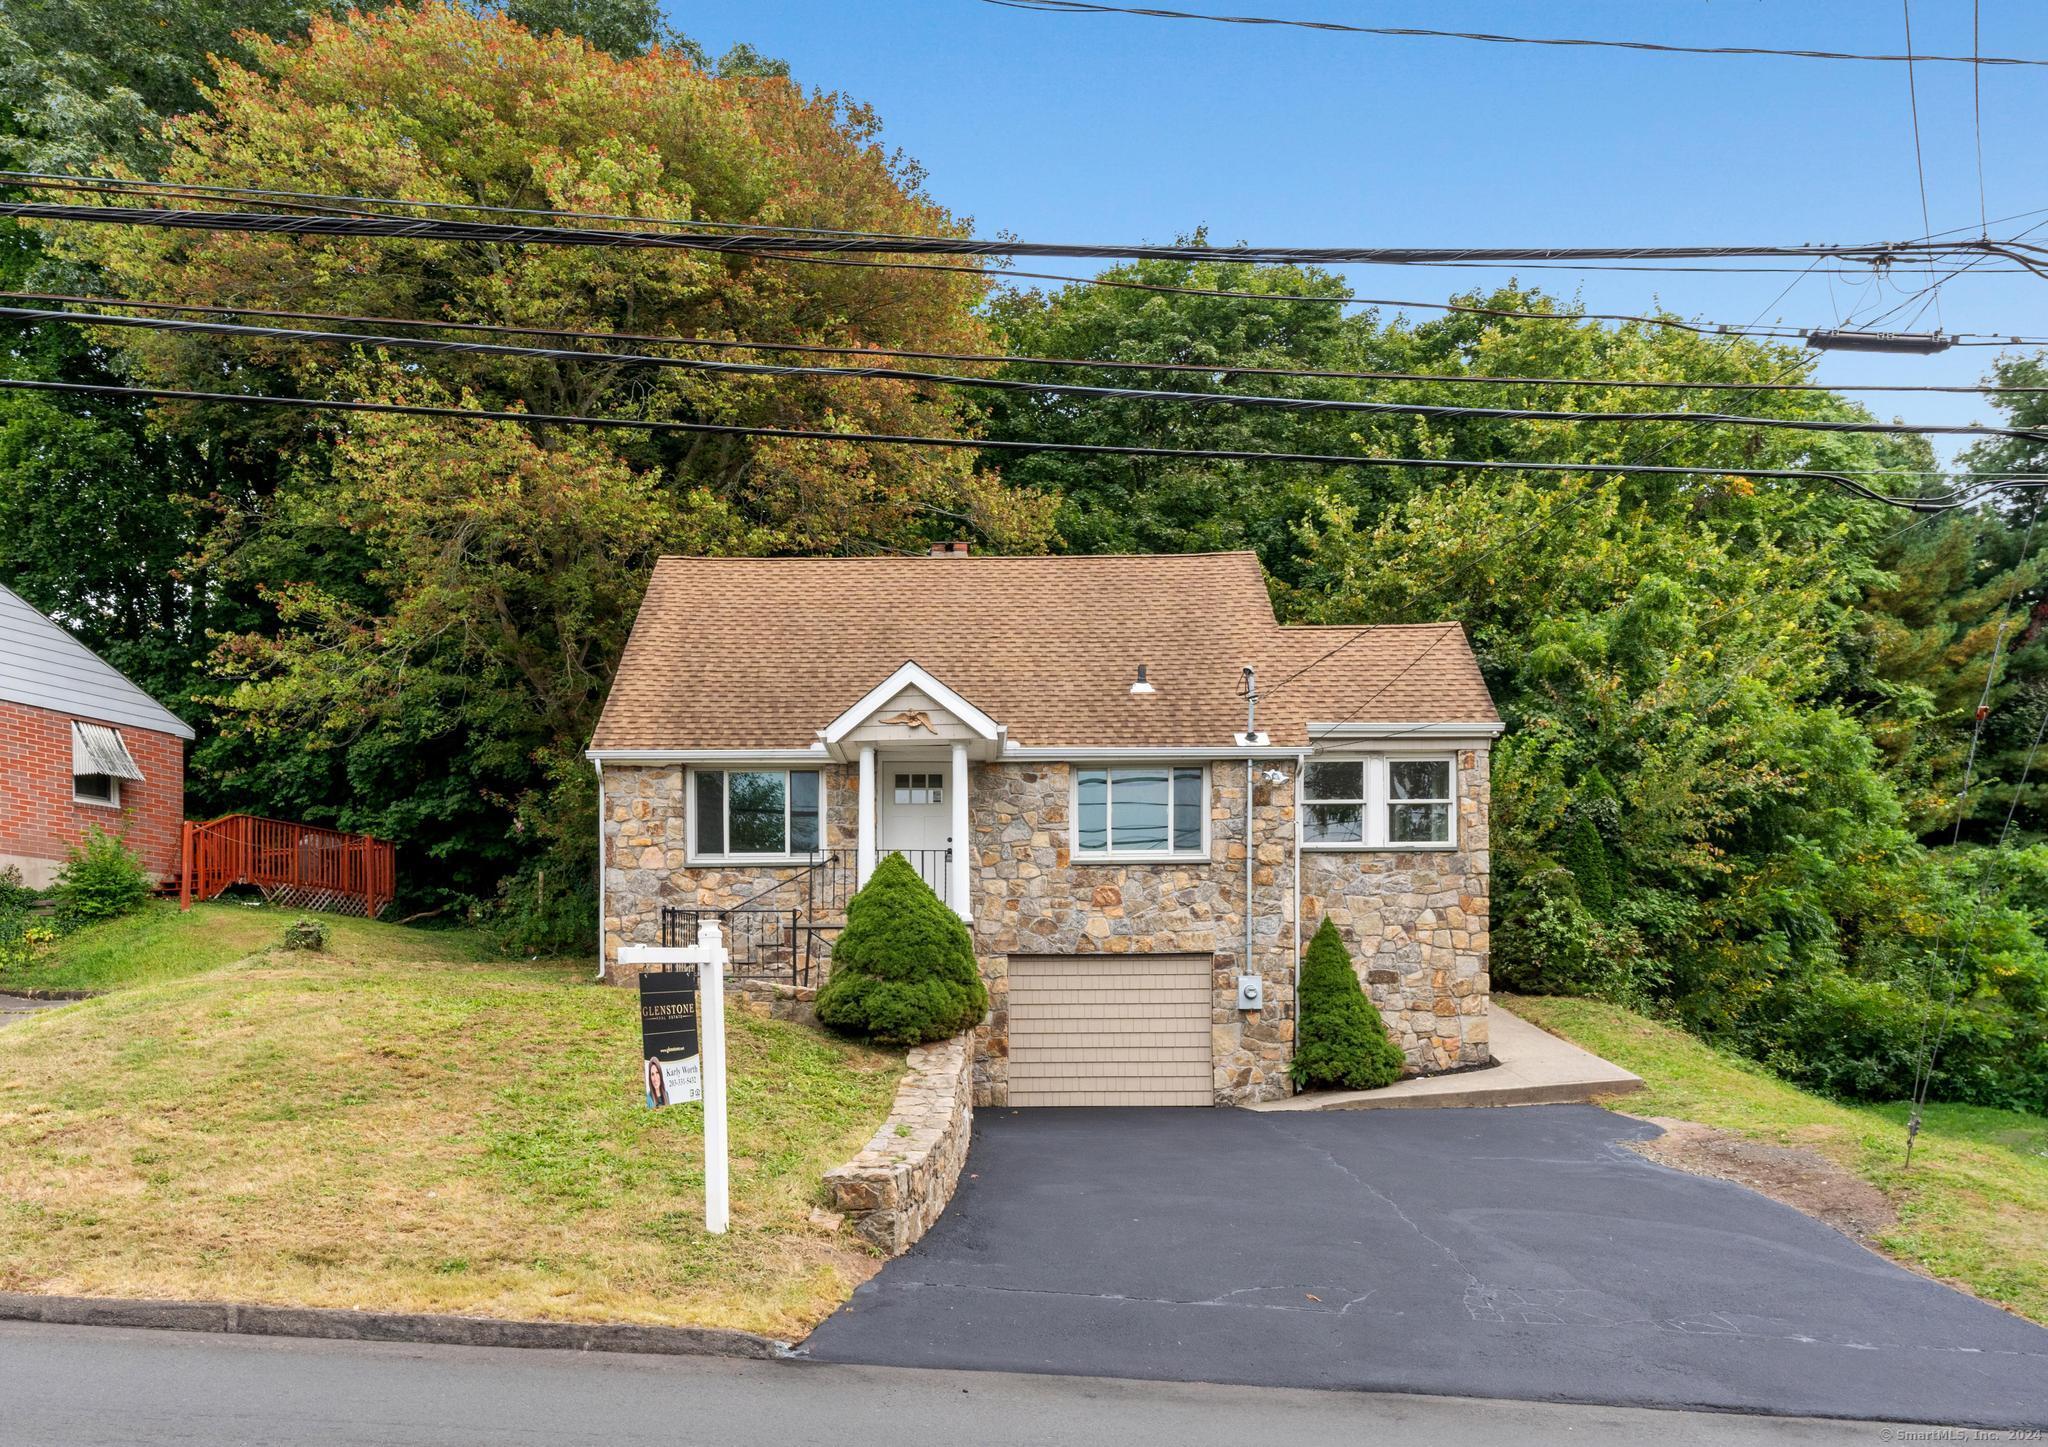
[1171, 754]
[910, 675]
[811, 757]
[1455, 729]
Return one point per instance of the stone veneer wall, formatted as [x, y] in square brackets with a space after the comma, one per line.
[646, 843]
[1031, 898]
[1419, 929]
[1417, 922]
[894, 1190]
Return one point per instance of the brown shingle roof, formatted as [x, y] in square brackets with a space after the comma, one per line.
[764, 652]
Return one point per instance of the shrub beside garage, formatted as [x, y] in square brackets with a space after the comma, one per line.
[1342, 1042]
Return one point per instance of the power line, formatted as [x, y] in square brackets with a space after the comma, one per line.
[1919, 163]
[1008, 359]
[351, 204]
[1408, 32]
[1844, 480]
[399, 228]
[351, 222]
[1977, 109]
[1340, 405]
[752, 243]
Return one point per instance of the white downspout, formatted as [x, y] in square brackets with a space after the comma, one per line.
[1248, 768]
[1300, 767]
[599, 767]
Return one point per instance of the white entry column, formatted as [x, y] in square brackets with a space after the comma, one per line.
[958, 871]
[864, 813]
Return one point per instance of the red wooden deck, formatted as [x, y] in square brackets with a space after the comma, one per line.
[297, 865]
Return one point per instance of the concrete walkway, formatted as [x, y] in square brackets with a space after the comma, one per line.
[1531, 1067]
[19, 1007]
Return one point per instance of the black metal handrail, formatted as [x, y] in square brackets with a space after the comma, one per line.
[835, 882]
[761, 944]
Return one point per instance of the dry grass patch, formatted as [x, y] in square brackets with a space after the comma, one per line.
[441, 1135]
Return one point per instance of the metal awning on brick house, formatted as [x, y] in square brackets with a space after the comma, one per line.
[97, 749]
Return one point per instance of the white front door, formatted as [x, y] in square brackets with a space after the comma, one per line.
[916, 819]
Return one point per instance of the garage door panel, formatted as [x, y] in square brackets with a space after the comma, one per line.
[1110, 1029]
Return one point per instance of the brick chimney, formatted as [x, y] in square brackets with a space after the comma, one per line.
[958, 548]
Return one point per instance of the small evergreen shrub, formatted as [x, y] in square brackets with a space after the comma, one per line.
[1341, 1040]
[903, 970]
[305, 934]
[1585, 855]
[101, 879]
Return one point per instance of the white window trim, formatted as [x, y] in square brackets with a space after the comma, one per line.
[692, 857]
[112, 801]
[1077, 855]
[1378, 804]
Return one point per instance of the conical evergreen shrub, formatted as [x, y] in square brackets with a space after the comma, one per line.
[903, 970]
[1341, 1040]
[1585, 856]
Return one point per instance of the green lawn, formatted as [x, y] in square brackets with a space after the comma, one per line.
[399, 1123]
[1974, 1208]
[160, 943]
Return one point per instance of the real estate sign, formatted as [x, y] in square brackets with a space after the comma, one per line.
[668, 1036]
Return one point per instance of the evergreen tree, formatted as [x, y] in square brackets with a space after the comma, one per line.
[903, 970]
[1341, 1041]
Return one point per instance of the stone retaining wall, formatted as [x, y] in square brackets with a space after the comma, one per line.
[894, 1190]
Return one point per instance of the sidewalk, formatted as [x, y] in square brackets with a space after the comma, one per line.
[16, 1007]
[1531, 1067]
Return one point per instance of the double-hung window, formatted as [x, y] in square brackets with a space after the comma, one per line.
[741, 812]
[1119, 813]
[1379, 803]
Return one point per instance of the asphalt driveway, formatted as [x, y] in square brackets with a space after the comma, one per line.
[1522, 1253]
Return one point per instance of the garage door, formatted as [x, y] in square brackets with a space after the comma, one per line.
[1110, 1030]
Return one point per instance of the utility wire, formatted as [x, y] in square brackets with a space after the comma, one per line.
[1846, 481]
[350, 204]
[1340, 405]
[1977, 109]
[1008, 359]
[340, 204]
[396, 228]
[1919, 162]
[1407, 32]
[777, 244]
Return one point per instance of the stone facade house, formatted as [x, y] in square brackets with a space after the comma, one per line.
[80, 746]
[1139, 789]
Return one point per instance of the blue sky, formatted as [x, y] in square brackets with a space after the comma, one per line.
[1112, 128]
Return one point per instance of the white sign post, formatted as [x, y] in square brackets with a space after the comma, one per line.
[709, 956]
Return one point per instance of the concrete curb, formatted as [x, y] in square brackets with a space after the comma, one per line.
[332, 1324]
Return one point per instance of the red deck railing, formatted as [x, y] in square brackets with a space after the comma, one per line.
[297, 865]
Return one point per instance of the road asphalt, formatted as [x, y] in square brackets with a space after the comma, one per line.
[1521, 1253]
[105, 1387]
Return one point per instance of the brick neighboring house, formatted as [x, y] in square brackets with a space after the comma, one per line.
[1061, 746]
[80, 745]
